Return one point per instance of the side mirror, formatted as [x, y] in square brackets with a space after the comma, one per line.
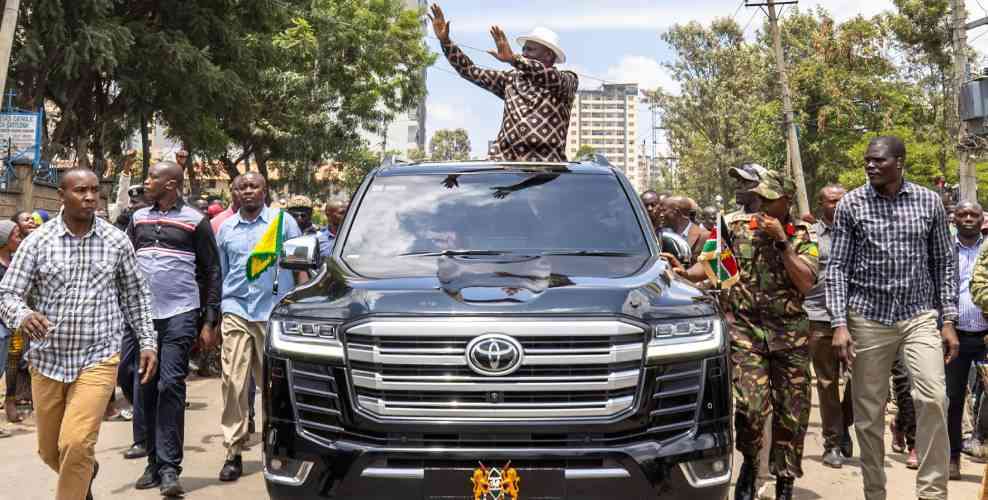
[300, 254]
[676, 245]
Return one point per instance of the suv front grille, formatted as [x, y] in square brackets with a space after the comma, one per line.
[570, 369]
[677, 398]
[316, 397]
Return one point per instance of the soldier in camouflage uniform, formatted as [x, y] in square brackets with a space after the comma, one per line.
[777, 258]
[746, 177]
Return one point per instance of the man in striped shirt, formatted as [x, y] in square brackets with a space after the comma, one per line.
[80, 275]
[891, 283]
[177, 254]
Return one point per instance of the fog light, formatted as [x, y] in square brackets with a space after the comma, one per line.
[707, 472]
[276, 464]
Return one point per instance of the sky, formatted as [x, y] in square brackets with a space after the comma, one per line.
[617, 41]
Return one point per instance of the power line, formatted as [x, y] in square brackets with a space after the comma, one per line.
[752, 18]
[735, 14]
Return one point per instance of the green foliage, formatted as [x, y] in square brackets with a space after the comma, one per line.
[584, 151]
[449, 145]
[850, 82]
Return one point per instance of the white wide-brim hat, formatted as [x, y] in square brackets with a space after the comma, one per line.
[547, 37]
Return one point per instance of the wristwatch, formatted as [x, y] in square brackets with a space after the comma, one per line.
[781, 245]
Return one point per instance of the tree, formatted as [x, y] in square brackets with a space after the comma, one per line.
[449, 145]
[584, 152]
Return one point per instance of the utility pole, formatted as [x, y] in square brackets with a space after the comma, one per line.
[7, 29]
[792, 139]
[965, 167]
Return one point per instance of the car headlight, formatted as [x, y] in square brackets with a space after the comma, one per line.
[686, 337]
[305, 337]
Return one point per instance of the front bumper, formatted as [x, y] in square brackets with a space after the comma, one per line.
[346, 469]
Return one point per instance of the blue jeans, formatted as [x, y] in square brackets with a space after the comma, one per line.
[130, 383]
[4, 349]
[163, 398]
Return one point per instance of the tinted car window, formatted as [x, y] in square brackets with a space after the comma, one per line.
[512, 212]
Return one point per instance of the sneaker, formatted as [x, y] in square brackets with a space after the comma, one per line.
[4, 433]
[170, 485]
[150, 479]
[832, 458]
[955, 469]
[913, 461]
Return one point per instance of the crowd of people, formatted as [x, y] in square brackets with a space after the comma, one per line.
[887, 282]
[87, 305]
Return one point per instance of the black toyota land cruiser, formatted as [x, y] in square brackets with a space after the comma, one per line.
[490, 330]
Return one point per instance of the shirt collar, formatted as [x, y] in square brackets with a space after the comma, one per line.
[686, 232]
[906, 188]
[179, 203]
[981, 240]
[96, 229]
[264, 216]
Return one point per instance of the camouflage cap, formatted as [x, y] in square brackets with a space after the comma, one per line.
[774, 185]
[299, 201]
[751, 172]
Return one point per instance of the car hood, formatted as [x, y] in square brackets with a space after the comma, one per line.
[638, 287]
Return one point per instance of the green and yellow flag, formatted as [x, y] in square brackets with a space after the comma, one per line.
[265, 253]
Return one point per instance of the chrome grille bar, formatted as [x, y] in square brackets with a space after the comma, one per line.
[569, 369]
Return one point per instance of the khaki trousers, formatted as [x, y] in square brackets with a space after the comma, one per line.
[836, 416]
[68, 419]
[243, 348]
[922, 351]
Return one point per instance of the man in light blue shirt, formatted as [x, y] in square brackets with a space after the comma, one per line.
[246, 307]
[971, 325]
[335, 211]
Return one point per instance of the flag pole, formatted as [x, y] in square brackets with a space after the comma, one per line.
[277, 255]
[720, 250]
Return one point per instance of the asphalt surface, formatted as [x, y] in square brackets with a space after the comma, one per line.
[24, 477]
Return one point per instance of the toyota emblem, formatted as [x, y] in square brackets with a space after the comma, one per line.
[494, 354]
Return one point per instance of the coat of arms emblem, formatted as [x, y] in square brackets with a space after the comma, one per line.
[492, 483]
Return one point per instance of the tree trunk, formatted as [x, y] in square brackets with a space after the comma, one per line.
[145, 147]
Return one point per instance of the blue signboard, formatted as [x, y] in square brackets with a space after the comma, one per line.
[20, 136]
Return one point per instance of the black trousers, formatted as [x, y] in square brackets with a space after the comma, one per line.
[163, 397]
[972, 349]
[130, 383]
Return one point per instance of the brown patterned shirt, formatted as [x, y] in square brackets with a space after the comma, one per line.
[537, 104]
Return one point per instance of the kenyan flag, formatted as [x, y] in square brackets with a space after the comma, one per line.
[717, 257]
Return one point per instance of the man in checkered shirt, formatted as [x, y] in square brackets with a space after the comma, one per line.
[537, 96]
[891, 284]
[79, 274]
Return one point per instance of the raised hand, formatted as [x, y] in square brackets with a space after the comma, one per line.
[439, 24]
[503, 52]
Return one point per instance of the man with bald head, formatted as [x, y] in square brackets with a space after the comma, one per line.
[972, 327]
[246, 308]
[335, 210]
[177, 253]
[676, 215]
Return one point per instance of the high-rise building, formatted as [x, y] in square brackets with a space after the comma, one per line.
[606, 119]
[407, 130]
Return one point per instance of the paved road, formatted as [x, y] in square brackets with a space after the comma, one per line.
[23, 476]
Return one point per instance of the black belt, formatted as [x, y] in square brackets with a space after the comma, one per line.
[972, 334]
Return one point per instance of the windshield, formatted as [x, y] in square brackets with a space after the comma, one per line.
[404, 222]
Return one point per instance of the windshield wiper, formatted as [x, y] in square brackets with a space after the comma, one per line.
[589, 253]
[452, 252]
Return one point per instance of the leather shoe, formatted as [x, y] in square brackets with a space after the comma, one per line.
[150, 479]
[170, 486]
[783, 488]
[832, 458]
[744, 488]
[136, 451]
[89, 494]
[846, 445]
[232, 469]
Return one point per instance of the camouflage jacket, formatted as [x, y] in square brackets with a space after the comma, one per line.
[765, 303]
